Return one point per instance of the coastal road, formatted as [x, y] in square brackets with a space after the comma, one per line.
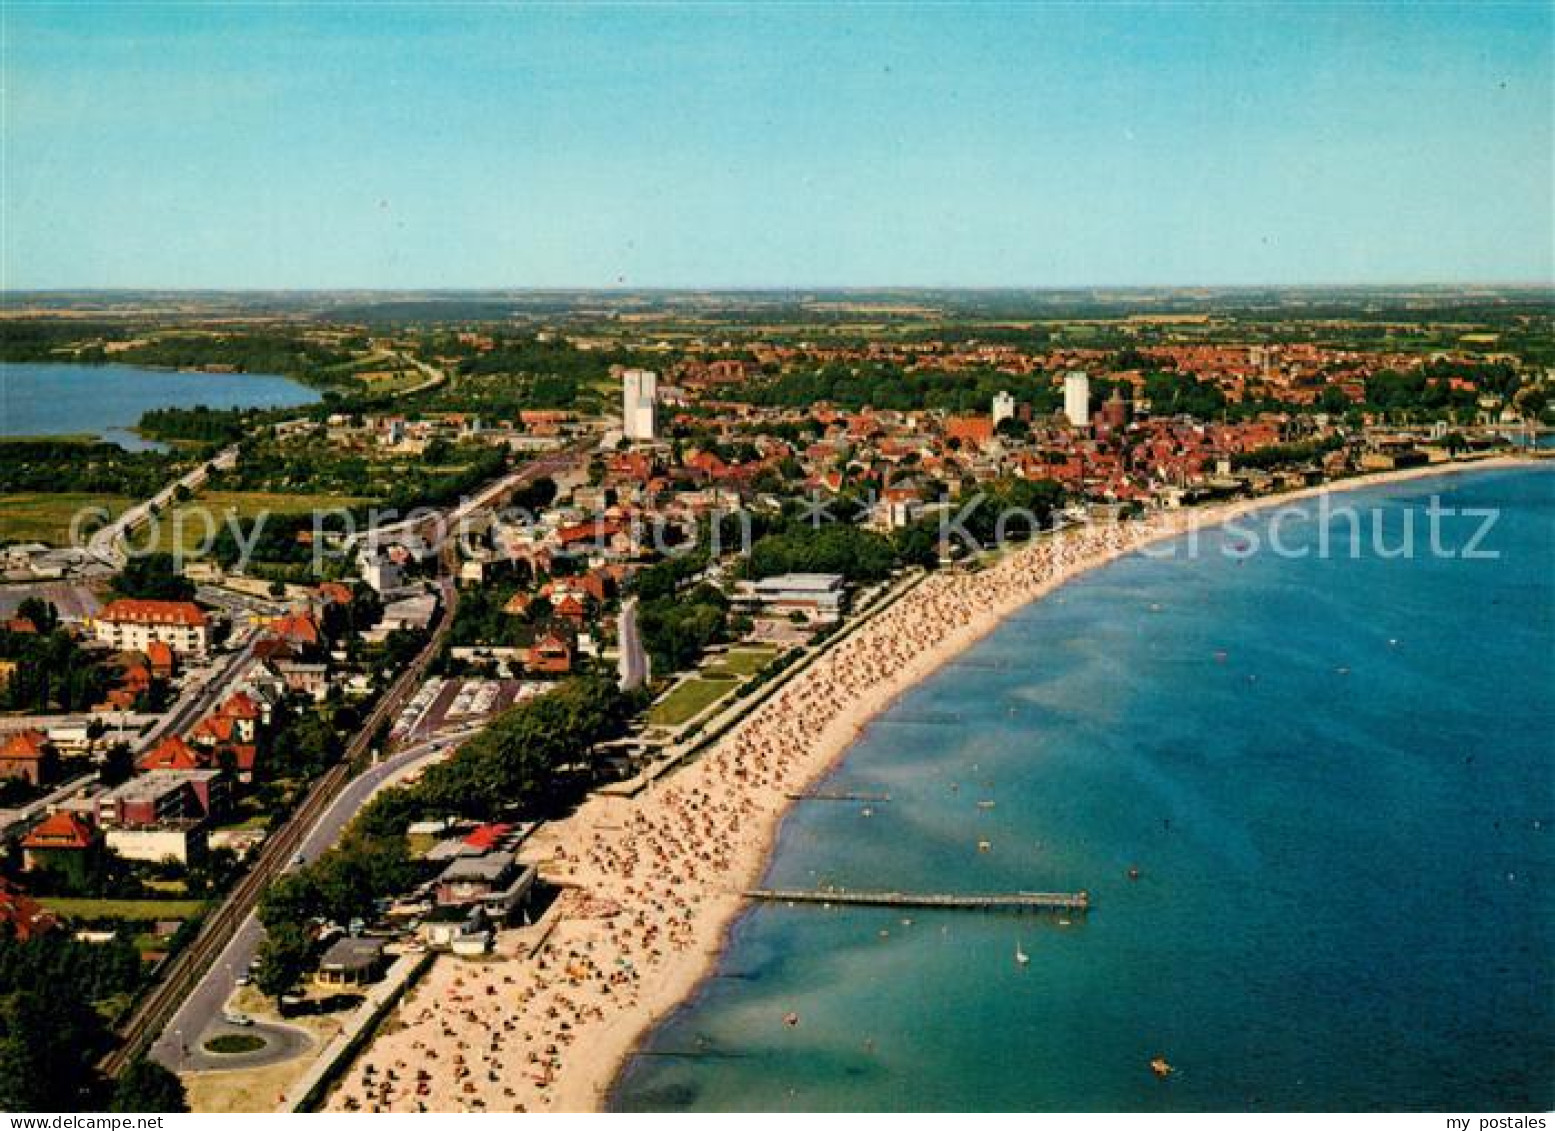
[199, 1017]
[187, 977]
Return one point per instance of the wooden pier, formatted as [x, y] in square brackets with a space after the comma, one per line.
[1077, 901]
[920, 719]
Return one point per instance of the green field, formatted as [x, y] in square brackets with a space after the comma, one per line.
[46, 518]
[689, 699]
[187, 524]
[742, 661]
[134, 910]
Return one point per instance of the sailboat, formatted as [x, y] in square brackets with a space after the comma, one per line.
[1021, 957]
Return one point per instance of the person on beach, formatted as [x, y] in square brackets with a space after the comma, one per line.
[653, 880]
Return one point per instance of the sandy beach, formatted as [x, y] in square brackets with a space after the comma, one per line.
[655, 881]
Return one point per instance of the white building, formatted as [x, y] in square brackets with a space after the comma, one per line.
[817, 596]
[380, 572]
[1003, 408]
[639, 396]
[1077, 398]
[132, 625]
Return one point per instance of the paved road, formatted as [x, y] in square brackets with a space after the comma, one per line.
[105, 544]
[191, 994]
[238, 605]
[452, 521]
[14, 822]
[200, 698]
[281, 1043]
[199, 1017]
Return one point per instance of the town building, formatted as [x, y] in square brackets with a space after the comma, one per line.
[164, 797]
[24, 917]
[817, 596]
[1077, 398]
[351, 962]
[62, 842]
[495, 880]
[381, 573]
[134, 625]
[639, 400]
[28, 755]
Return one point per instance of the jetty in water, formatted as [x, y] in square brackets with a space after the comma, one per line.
[1078, 901]
[831, 795]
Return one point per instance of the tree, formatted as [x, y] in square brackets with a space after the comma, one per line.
[293, 898]
[118, 765]
[284, 956]
[153, 577]
[147, 1086]
[49, 1041]
[43, 615]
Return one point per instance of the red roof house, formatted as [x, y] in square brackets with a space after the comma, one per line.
[28, 755]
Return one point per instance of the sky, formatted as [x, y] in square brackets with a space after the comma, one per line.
[465, 145]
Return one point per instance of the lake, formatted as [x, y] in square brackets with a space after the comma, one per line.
[58, 399]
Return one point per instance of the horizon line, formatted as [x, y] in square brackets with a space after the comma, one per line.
[781, 288]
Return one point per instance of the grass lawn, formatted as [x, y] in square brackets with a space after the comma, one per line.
[141, 910]
[46, 517]
[245, 824]
[396, 381]
[688, 699]
[234, 1042]
[246, 505]
[742, 661]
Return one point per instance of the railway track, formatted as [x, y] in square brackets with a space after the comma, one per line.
[185, 970]
[189, 965]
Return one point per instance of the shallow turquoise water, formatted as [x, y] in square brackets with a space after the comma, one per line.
[1334, 775]
[52, 399]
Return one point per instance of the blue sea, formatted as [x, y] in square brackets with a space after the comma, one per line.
[54, 399]
[1335, 777]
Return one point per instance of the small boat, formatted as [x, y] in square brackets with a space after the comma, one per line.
[1133, 873]
[985, 804]
[866, 812]
[791, 1019]
[983, 846]
[1161, 1068]
[1062, 922]
[1021, 957]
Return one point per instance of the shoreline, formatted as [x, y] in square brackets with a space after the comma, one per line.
[655, 883]
[1211, 517]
